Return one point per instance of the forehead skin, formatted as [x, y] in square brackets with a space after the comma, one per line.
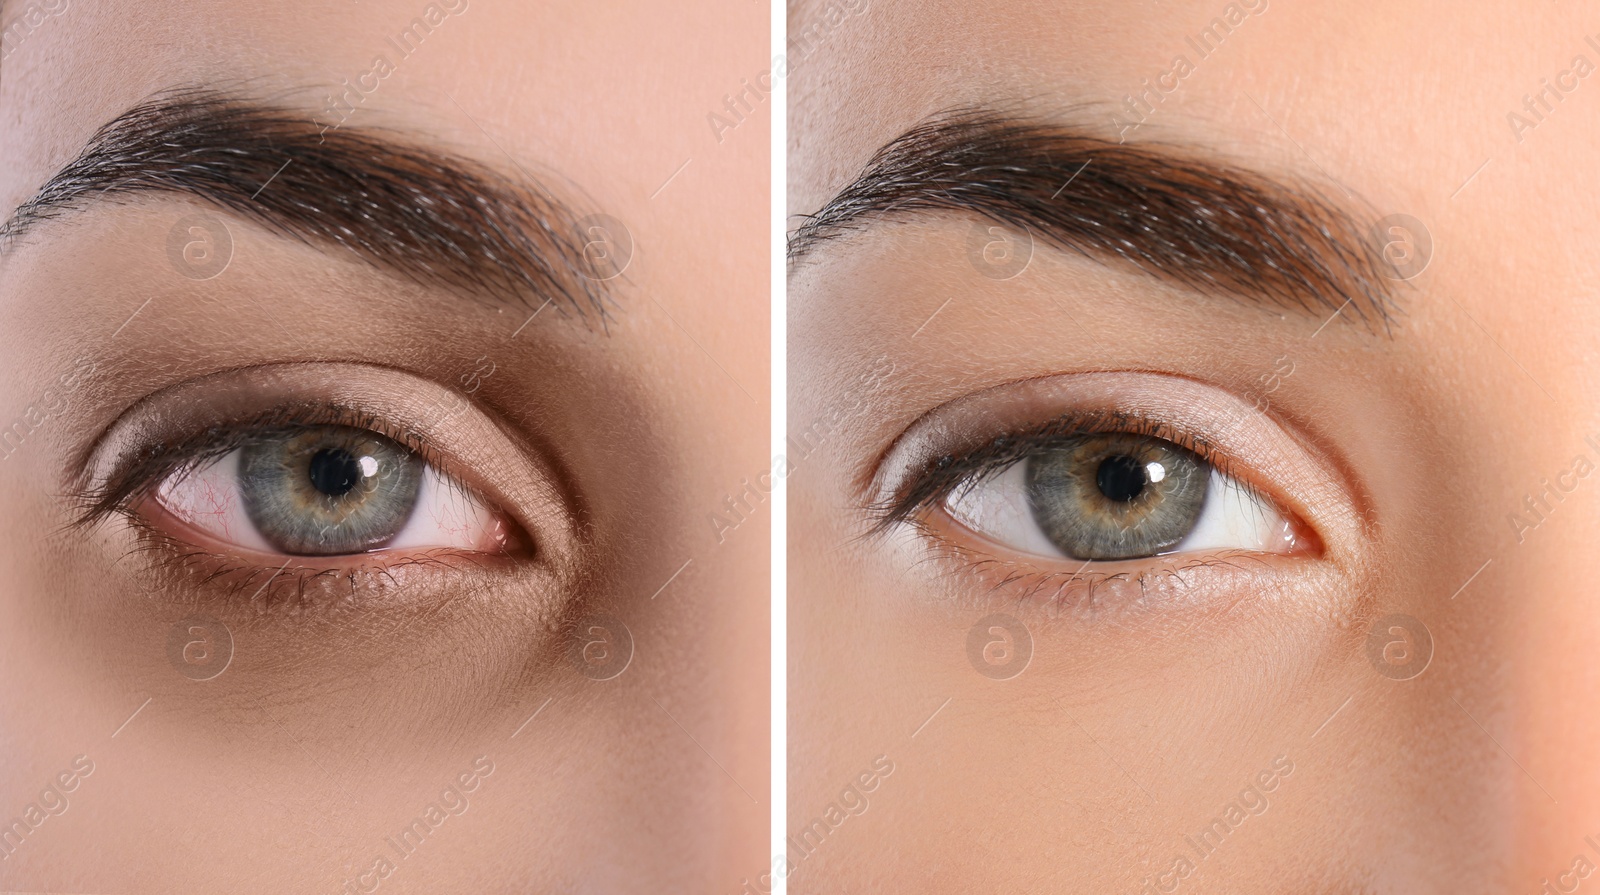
[1492, 361]
[605, 102]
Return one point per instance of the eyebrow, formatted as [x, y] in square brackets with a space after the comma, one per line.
[1212, 227]
[422, 214]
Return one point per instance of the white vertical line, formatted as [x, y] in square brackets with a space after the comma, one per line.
[780, 491]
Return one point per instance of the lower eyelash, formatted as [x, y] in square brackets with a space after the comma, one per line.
[1075, 593]
[295, 587]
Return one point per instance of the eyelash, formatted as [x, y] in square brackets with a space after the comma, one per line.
[943, 476]
[137, 477]
[274, 587]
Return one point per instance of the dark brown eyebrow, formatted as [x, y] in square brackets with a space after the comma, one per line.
[423, 214]
[1206, 225]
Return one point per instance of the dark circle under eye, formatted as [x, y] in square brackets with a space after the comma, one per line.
[1116, 496]
[327, 490]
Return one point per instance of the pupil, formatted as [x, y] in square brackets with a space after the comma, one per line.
[334, 472]
[1120, 478]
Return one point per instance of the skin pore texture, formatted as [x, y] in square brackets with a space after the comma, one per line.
[1218, 722]
[603, 417]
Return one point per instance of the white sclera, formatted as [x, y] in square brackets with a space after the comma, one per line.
[1231, 518]
[444, 516]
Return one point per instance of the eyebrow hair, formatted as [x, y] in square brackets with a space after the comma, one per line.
[430, 217]
[1205, 225]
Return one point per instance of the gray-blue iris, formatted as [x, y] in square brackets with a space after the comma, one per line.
[1116, 496]
[327, 490]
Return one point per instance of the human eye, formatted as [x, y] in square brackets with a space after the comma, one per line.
[304, 475]
[1083, 490]
[1065, 483]
[309, 489]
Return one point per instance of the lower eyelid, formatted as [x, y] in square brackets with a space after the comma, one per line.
[194, 571]
[1205, 582]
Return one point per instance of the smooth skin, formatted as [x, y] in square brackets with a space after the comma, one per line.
[1131, 730]
[334, 727]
